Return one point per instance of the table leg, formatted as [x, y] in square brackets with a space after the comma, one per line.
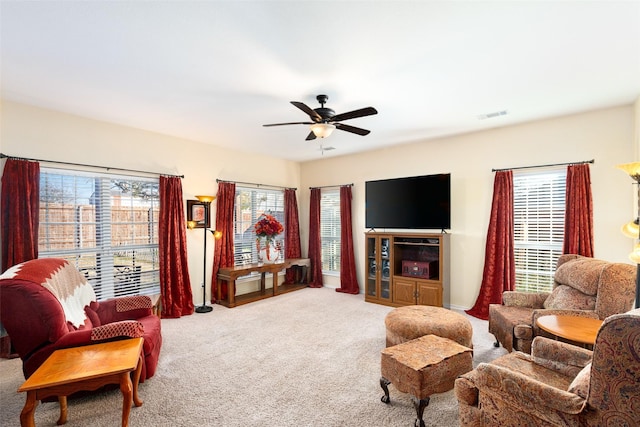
[62, 401]
[26, 416]
[127, 391]
[420, 404]
[384, 383]
[274, 282]
[263, 282]
[136, 379]
[231, 292]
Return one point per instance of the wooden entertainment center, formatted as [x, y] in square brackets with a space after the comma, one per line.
[407, 269]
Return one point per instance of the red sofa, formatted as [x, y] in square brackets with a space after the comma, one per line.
[47, 304]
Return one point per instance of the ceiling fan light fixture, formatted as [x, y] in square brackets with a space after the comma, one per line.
[322, 130]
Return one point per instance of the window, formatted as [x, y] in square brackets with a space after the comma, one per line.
[106, 225]
[330, 230]
[250, 203]
[539, 207]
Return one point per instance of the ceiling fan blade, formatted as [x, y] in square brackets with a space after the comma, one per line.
[312, 113]
[367, 111]
[291, 123]
[352, 129]
[311, 136]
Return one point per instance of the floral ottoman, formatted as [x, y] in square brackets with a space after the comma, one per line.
[422, 367]
[414, 321]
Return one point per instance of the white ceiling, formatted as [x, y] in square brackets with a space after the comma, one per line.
[215, 71]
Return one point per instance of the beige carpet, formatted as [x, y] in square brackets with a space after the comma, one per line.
[307, 358]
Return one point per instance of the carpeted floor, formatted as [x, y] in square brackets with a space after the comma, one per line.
[307, 358]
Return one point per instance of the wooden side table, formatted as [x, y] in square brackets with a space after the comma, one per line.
[582, 330]
[230, 274]
[88, 367]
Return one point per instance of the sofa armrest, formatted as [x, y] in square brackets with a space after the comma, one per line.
[506, 384]
[524, 299]
[76, 338]
[559, 356]
[466, 390]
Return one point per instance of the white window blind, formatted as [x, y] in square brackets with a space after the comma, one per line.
[106, 225]
[539, 209]
[250, 203]
[330, 229]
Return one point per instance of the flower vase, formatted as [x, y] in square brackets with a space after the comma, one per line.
[268, 252]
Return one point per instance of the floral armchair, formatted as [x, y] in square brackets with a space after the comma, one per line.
[47, 304]
[583, 286]
[559, 384]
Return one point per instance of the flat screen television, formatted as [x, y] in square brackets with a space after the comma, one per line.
[421, 202]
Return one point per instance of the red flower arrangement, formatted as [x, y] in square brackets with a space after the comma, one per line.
[268, 226]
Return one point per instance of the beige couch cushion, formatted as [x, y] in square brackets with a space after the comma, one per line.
[582, 274]
[567, 298]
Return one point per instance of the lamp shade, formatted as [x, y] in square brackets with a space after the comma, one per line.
[191, 225]
[206, 199]
[635, 255]
[632, 169]
[631, 229]
[322, 130]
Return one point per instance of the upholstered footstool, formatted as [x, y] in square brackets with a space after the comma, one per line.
[414, 321]
[423, 367]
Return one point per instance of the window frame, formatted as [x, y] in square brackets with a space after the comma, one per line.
[330, 230]
[112, 244]
[244, 248]
[539, 212]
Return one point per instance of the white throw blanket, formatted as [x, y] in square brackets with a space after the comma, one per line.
[63, 280]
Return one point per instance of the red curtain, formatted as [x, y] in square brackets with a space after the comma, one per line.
[348, 279]
[175, 285]
[578, 218]
[315, 244]
[20, 211]
[499, 265]
[223, 254]
[292, 233]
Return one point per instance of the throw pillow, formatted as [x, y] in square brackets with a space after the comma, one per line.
[567, 298]
[125, 328]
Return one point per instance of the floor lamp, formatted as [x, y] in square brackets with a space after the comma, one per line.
[206, 201]
[632, 229]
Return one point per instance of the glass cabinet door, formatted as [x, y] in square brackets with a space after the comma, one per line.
[371, 267]
[385, 268]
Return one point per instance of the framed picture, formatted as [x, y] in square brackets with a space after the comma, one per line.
[197, 211]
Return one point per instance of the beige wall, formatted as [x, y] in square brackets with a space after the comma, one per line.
[43, 134]
[606, 136]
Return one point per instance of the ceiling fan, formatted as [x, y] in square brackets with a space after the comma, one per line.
[325, 120]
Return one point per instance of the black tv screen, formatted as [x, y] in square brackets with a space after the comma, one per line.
[414, 202]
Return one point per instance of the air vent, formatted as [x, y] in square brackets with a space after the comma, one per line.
[492, 115]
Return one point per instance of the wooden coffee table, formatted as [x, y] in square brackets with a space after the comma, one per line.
[573, 328]
[88, 367]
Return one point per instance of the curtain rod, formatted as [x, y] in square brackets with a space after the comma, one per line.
[257, 185]
[5, 156]
[544, 166]
[333, 186]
